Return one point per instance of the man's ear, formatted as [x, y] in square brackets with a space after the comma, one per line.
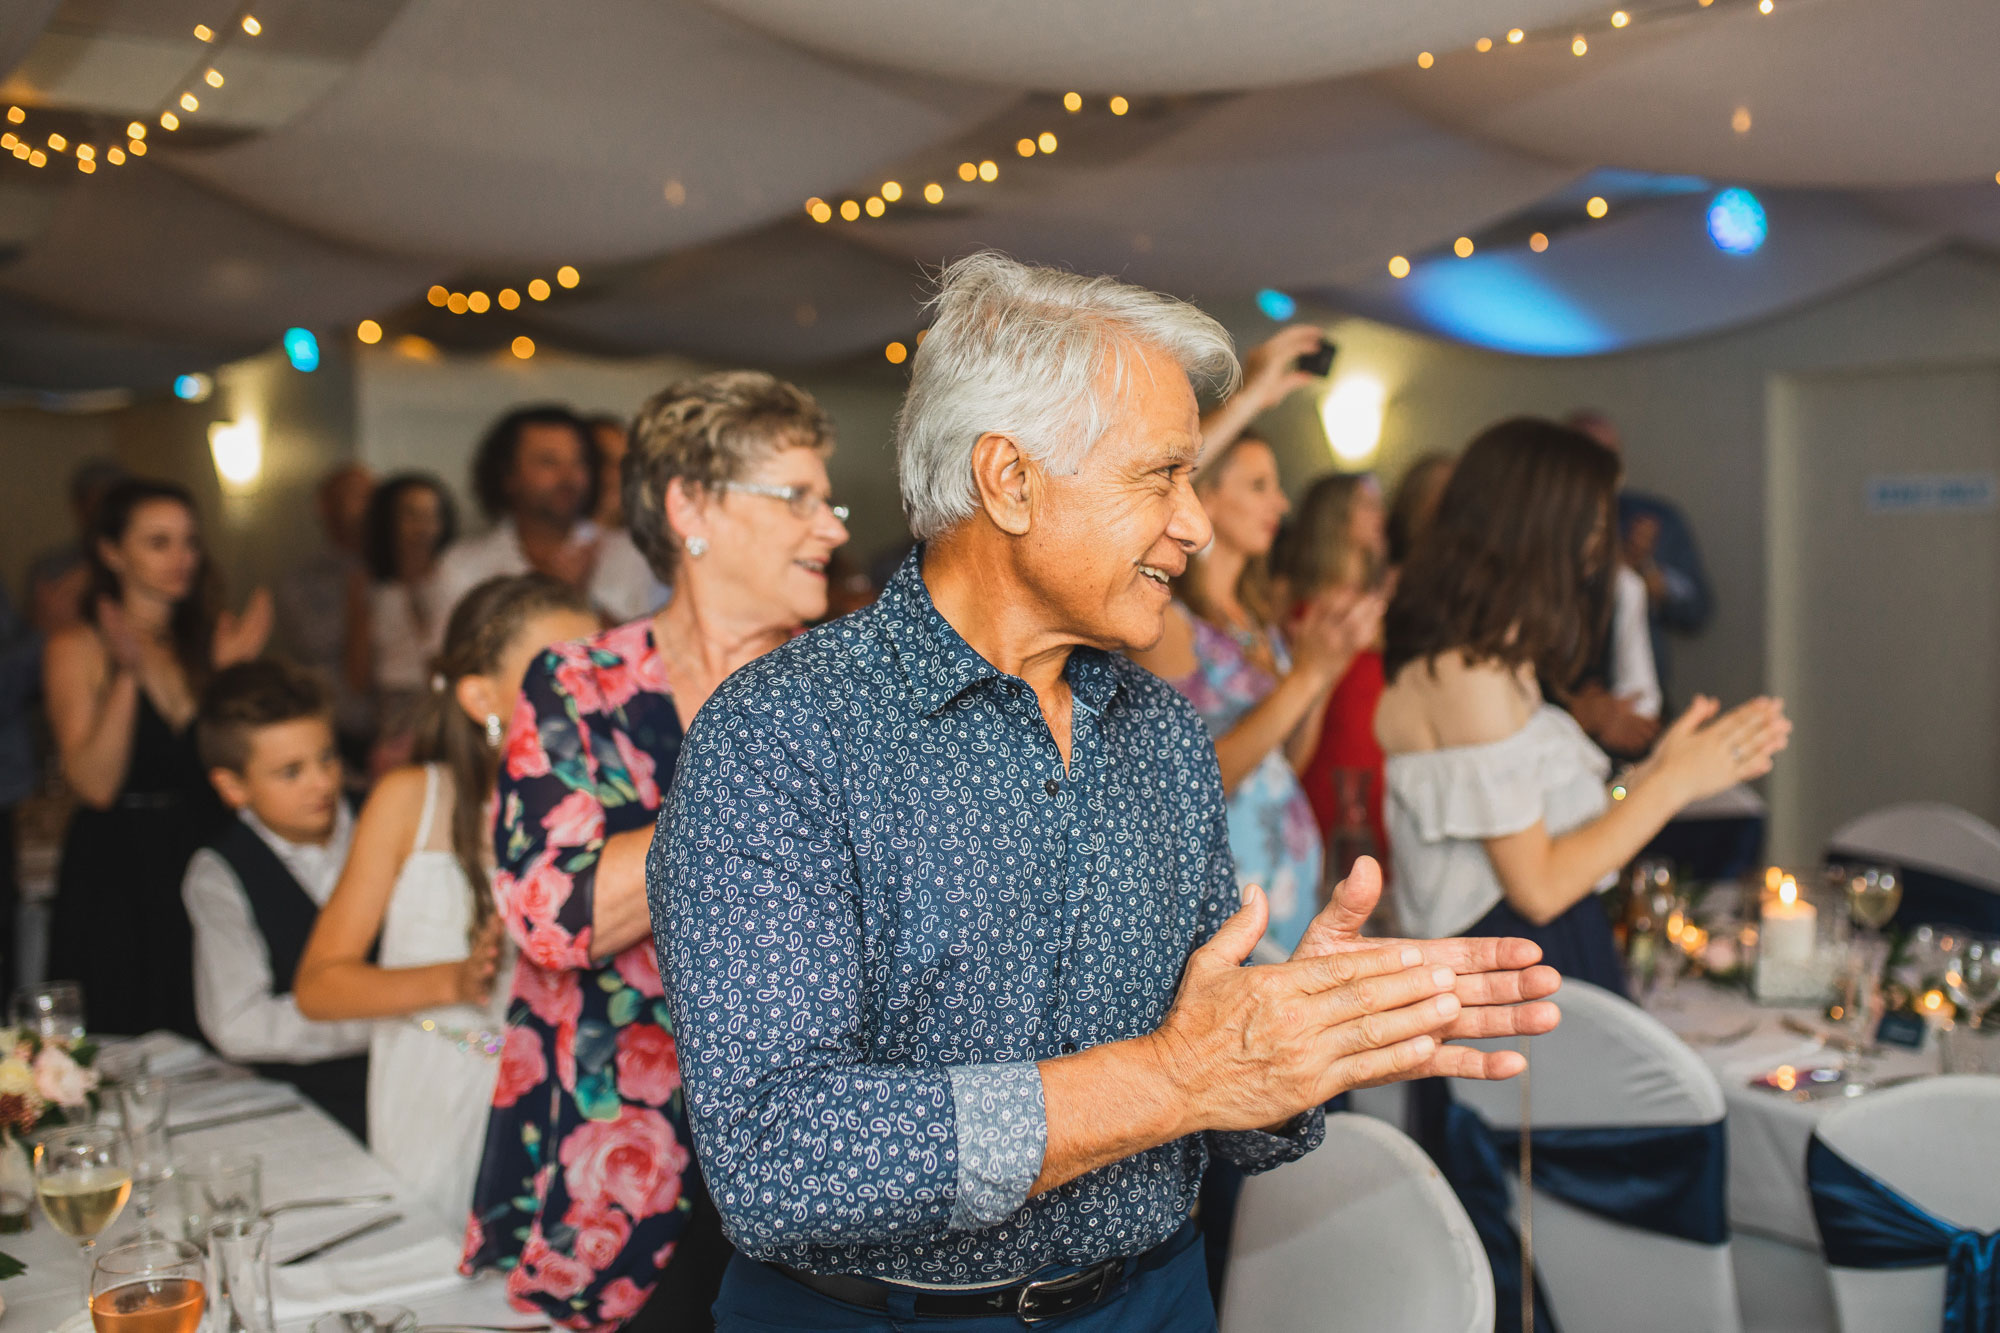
[1008, 482]
[229, 785]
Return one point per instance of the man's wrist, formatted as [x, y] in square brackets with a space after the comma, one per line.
[1172, 1100]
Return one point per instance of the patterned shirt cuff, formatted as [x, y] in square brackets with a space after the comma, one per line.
[1003, 1131]
[1253, 1150]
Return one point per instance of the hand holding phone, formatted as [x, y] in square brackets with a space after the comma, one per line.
[1319, 361]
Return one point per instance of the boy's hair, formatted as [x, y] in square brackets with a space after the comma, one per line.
[243, 698]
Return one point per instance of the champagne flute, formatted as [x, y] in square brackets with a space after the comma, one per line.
[148, 1286]
[83, 1177]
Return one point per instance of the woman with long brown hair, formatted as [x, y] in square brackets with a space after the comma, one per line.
[122, 688]
[415, 894]
[1499, 815]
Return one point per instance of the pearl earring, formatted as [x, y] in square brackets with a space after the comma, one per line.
[494, 733]
[697, 547]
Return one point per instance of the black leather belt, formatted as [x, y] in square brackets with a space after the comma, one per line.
[1030, 1301]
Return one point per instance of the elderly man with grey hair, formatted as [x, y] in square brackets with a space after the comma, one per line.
[943, 895]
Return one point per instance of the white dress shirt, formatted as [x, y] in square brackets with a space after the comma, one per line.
[1634, 676]
[621, 583]
[241, 1011]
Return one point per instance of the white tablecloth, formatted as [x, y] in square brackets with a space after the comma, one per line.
[1781, 1277]
[305, 1155]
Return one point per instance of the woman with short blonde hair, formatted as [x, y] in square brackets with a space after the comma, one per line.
[726, 495]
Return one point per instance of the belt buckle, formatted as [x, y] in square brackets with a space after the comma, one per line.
[1100, 1282]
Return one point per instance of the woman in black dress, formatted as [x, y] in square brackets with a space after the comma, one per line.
[122, 690]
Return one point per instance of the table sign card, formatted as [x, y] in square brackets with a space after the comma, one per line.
[1902, 1029]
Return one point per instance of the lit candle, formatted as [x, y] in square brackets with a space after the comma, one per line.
[1790, 931]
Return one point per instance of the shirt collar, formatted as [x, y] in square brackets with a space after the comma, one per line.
[315, 867]
[940, 665]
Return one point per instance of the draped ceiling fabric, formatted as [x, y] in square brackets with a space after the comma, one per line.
[359, 153]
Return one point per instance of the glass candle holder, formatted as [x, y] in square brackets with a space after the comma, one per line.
[1800, 939]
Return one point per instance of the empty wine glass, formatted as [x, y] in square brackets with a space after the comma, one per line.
[52, 1010]
[148, 1286]
[1972, 977]
[83, 1177]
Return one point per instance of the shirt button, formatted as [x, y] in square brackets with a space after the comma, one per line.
[1069, 1048]
[1052, 786]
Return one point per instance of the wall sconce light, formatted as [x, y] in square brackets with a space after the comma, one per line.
[238, 450]
[1351, 415]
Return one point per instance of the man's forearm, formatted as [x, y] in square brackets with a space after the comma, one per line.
[1104, 1105]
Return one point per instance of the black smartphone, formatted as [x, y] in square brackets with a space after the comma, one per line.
[1318, 361]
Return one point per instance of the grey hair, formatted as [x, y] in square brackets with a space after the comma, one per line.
[1018, 350]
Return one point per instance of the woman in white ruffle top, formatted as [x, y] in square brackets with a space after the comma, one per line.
[1499, 812]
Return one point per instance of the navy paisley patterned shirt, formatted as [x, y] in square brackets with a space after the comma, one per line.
[879, 899]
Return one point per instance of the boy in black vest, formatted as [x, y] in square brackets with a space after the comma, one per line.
[266, 736]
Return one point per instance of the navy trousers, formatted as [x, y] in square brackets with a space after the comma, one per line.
[1172, 1298]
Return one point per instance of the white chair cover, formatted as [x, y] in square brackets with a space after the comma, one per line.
[1612, 1064]
[1936, 1143]
[1928, 835]
[1363, 1234]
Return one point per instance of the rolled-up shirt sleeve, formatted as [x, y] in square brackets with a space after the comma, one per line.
[757, 916]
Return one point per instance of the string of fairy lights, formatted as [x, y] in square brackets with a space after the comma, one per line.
[985, 171]
[1578, 36]
[477, 302]
[203, 76]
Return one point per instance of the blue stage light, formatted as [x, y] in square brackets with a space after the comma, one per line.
[1736, 222]
[302, 348]
[1276, 305]
[189, 388]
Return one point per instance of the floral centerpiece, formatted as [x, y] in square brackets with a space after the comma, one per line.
[45, 1082]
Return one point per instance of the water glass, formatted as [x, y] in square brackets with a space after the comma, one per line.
[239, 1255]
[52, 1010]
[142, 1112]
[1967, 1049]
[219, 1187]
[120, 1062]
[148, 1286]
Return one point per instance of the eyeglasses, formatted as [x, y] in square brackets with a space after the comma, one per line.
[804, 501]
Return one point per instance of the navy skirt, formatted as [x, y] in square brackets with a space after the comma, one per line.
[1578, 944]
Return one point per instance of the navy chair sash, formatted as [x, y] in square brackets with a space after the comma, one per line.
[1865, 1224]
[1671, 1180]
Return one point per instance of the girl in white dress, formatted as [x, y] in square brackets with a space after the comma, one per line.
[415, 895]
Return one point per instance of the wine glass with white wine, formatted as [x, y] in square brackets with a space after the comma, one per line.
[1873, 895]
[83, 1177]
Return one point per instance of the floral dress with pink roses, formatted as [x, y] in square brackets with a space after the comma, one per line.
[587, 1183]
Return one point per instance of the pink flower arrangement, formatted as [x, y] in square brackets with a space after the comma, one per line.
[43, 1078]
